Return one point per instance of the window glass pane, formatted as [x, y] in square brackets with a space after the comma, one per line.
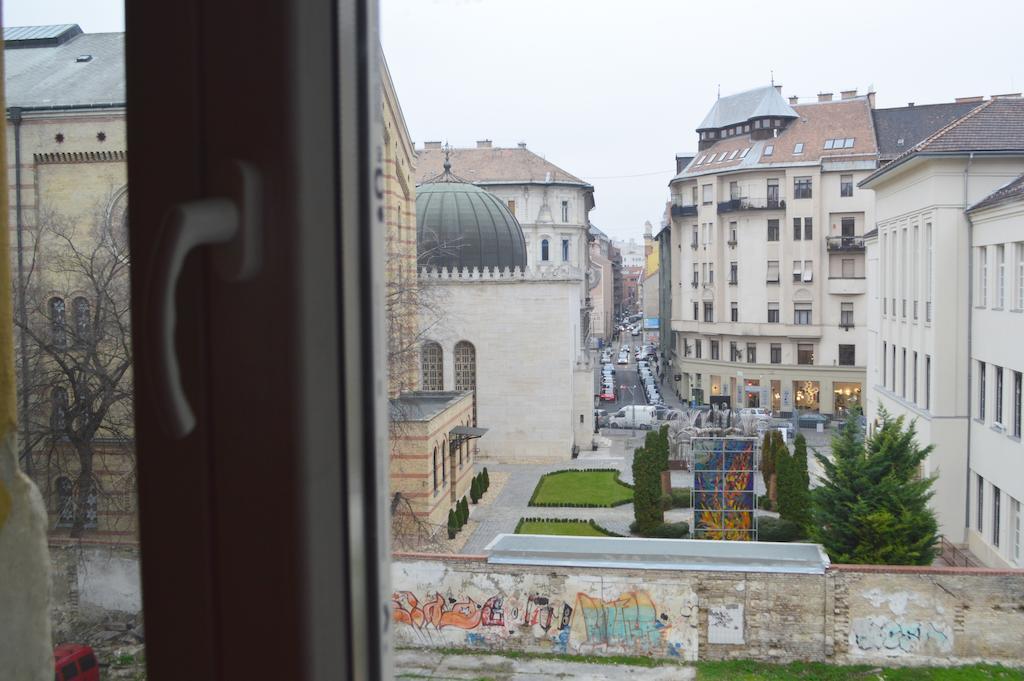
[71, 268]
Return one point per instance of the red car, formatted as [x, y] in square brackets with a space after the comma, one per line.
[607, 395]
[74, 661]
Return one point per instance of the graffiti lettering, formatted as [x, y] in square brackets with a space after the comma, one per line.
[898, 638]
[629, 622]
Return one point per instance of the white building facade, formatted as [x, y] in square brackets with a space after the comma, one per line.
[946, 322]
[769, 301]
[493, 323]
[533, 395]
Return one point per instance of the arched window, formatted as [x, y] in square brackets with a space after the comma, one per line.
[432, 361]
[65, 501]
[544, 250]
[58, 326]
[58, 411]
[80, 308]
[444, 462]
[435, 469]
[465, 370]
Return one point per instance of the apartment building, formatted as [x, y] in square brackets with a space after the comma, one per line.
[946, 270]
[768, 229]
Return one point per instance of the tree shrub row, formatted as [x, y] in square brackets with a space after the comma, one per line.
[480, 483]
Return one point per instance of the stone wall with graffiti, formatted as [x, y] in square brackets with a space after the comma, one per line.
[476, 605]
[872, 615]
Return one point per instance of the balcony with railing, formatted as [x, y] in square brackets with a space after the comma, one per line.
[751, 203]
[849, 244]
[681, 211]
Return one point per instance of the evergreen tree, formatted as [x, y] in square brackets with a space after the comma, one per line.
[453, 524]
[768, 466]
[872, 506]
[474, 489]
[794, 484]
[486, 479]
[463, 511]
[647, 467]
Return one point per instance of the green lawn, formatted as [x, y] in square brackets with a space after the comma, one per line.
[581, 488]
[813, 671]
[562, 527]
[743, 670]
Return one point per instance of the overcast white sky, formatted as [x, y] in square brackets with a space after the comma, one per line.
[610, 90]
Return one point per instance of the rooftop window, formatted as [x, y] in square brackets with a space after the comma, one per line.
[799, 148]
[768, 150]
[846, 143]
[743, 153]
[733, 154]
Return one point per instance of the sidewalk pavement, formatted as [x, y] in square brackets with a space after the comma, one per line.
[437, 666]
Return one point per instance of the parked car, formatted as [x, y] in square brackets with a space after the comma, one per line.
[624, 359]
[600, 418]
[633, 415]
[607, 395]
[811, 420]
[74, 661]
[760, 413]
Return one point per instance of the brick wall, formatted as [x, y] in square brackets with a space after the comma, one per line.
[872, 615]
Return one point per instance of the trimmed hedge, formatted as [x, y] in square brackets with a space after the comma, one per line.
[764, 503]
[679, 498]
[588, 521]
[680, 530]
[778, 529]
[553, 504]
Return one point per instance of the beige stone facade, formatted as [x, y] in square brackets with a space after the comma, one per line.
[424, 468]
[767, 222]
[946, 290]
[402, 291]
[68, 200]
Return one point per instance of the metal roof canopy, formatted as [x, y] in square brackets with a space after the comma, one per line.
[468, 431]
[657, 554]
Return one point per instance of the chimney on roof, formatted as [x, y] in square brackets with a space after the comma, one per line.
[871, 99]
[1009, 95]
[824, 96]
[793, 100]
[965, 100]
[483, 144]
[778, 88]
[431, 145]
[910, 104]
[522, 145]
[848, 94]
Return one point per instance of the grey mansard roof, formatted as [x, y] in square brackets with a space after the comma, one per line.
[741, 107]
[461, 225]
[62, 68]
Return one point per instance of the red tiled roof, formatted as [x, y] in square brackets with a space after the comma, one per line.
[817, 123]
[997, 125]
[492, 164]
[1013, 190]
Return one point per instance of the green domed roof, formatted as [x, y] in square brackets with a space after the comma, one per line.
[461, 225]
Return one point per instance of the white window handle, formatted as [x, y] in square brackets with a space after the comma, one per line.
[234, 225]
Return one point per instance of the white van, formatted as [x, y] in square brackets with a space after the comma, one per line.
[633, 415]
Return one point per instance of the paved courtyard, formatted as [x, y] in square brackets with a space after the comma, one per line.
[512, 502]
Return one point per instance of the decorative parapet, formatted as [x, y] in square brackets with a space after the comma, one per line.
[555, 273]
[80, 157]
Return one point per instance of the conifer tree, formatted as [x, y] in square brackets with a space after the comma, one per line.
[768, 466]
[794, 481]
[453, 524]
[872, 506]
[474, 489]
